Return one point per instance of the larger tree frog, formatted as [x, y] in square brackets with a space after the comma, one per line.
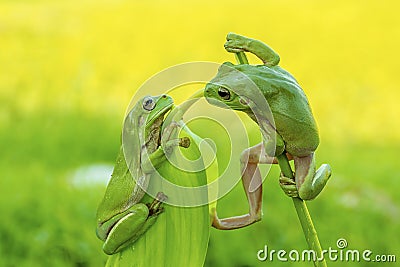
[121, 217]
[295, 127]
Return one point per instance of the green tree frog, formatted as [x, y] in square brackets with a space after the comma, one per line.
[121, 217]
[295, 127]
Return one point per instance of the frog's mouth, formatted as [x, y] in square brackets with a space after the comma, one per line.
[160, 114]
[158, 118]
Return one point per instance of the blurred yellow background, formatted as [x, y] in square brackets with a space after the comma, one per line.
[92, 55]
[70, 68]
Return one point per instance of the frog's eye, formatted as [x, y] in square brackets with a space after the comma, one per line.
[224, 93]
[149, 103]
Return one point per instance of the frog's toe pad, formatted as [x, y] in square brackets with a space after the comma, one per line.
[288, 186]
[184, 142]
[155, 206]
[286, 180]
[156, 212]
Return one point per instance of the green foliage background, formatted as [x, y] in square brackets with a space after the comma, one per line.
[69, 69]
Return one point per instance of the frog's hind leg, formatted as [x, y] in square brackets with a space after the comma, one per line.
[126, 229]
[136, 223]
[252, 183]
[308, 181]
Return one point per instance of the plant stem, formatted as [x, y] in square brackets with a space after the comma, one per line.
[241, 58]
[300, 205]
[302, 213]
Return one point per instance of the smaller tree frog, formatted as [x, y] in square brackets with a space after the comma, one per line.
[121, 217]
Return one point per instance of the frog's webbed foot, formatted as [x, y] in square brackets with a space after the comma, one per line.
[308, 183]
[288, 186]
[236, 43]
[155, 207]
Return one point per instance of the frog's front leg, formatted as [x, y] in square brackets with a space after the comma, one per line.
[308, 182]
[237, 43]
[251, 179]
[169, 141]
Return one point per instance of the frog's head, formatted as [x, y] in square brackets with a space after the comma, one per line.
[148, 111]
[229, 88]
[154, 108]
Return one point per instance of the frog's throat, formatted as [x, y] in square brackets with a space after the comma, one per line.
[153, 132]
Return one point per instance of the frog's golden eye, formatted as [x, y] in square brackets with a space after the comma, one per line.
[148, 103]
[224, 93]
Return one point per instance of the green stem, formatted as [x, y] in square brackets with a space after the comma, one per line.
[241, 58]
[302, 213]
[300, 205]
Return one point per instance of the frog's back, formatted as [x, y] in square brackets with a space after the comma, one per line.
[292, 113]
[119, 190]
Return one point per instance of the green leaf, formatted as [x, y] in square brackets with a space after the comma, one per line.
[180, 235]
